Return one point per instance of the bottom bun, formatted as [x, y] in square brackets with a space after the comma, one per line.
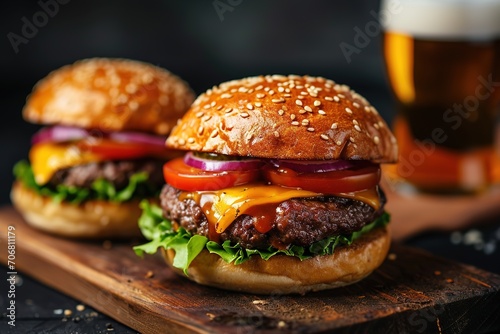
[90, 219]
[283, 274]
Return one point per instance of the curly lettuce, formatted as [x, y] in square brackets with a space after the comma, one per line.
[160, 232]
[137, 187]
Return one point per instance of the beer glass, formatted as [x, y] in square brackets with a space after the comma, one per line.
[443, 64]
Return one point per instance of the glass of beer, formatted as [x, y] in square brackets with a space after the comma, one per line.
[443, 64]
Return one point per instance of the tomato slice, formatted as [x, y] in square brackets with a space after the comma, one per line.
[114, 150]
[184, 177]
[342, 181]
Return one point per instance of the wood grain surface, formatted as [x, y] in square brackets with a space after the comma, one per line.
[412, 291]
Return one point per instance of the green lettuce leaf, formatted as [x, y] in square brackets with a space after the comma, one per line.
[159, 230]
[100, 189]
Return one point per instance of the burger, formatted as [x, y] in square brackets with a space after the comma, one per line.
[102, 146]
[278, 190]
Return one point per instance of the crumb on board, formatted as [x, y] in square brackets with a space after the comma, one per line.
[449, 280]
[67, 312]
[392, 256]
[149, 274]
[80, 307]
[437, 272]
[260, 302]
[211, 316]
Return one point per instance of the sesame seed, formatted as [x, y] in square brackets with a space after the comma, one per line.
[321, 112]
[324, 137]
[367, 109]
[376, 139]
[182, 141]
[214, 133]
[206, 106]
[249, 106]
[244, 115]
[266, 89]
[242, 90]
[280, 100]
[334, 125]
[351, 139]
[292, 116]
[295, 123]
[287, 95]
[348, 110]
[338, 142]
[219, 107]
[249, 136]
[199, 114]
[302, 111]
[310, 129]
[250, 90]
[271, 92]
[287, 90]
[298, 102]
[228, 110]
[357, 128]
[393, 140]
[375, 125]
[226, 96]
[281, 89]
[190, 140]
[201, 129]
[304, 93]
[317, 103]
[336, 98]
[342, 96]
[281, 112]
[258, 104]
[206, 118]
[307, 108]
[276, 134]
[260, 95]
[300, 97]
[354, 121]
[381, 124]
[133, 105]
[328, 98]
[213, 104]
[355, 104]
[259, 87]
[305, 122]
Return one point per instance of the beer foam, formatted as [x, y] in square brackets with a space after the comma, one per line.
[443, 19]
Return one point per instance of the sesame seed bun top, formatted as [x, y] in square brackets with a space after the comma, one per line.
[285, 117]
[110, 95]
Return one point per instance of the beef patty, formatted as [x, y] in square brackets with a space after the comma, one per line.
[117, 173]
[298, 221]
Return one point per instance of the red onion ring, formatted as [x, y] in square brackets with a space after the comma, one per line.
[61, 133]
[319, 166]
[212, 165]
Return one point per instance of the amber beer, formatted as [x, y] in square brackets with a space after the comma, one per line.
[443, 65]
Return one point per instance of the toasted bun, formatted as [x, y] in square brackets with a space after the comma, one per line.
[285, 117]
[91, 219]
[110, 95]
[283, 274]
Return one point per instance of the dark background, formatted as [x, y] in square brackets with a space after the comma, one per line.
[192, 40]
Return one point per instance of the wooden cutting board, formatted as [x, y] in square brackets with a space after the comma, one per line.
[412, 291]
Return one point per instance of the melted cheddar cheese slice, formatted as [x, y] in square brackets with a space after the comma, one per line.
[47, 158]
[223, 206]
